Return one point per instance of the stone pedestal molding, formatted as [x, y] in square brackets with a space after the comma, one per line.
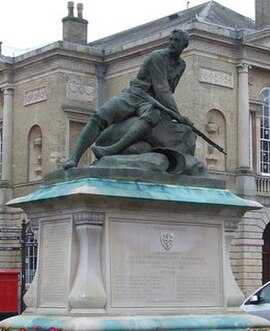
[88, 289]
[115, 253]
[231, 287]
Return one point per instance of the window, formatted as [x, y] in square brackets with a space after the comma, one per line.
[265, 295]
[265, 132]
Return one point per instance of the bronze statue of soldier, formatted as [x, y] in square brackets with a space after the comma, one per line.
[157, 79]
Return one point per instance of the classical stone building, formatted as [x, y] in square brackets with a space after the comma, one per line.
[49, 93]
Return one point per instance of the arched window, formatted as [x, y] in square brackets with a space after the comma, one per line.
[265, 132]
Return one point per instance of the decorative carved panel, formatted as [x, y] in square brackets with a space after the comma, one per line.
[215, 77]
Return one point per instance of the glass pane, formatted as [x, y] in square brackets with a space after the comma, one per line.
[266, 110]
[265, 294]
[263, 95]
[265, 168]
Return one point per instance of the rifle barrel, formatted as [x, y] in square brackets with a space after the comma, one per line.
[179, 119]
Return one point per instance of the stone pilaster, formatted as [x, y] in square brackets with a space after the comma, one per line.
[7, 133]
[245, 180]
[243, 118]
[100, 74]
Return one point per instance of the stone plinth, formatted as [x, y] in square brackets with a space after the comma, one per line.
[114, 254]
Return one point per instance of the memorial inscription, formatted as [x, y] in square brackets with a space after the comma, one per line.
[165, 266]
[55, 244]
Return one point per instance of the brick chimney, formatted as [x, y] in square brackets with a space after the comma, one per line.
[75, 28]
[262, 13]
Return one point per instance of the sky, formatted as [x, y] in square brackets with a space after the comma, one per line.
[29, 24]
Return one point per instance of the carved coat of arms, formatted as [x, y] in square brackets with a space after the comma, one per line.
[167, 239]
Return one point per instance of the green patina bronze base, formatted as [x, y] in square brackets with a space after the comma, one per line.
[237, 322]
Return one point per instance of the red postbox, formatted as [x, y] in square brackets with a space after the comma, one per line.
[8, 293]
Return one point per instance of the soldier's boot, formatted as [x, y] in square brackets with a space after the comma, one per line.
[86, 138]
[137, 131]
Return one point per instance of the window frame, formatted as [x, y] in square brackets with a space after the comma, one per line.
[264, 96]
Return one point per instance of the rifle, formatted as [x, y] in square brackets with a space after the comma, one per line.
[179, 119]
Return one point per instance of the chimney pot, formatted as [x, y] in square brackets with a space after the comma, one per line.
[80, 10]
[70, 8]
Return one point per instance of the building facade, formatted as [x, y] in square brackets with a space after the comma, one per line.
[48, 94]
